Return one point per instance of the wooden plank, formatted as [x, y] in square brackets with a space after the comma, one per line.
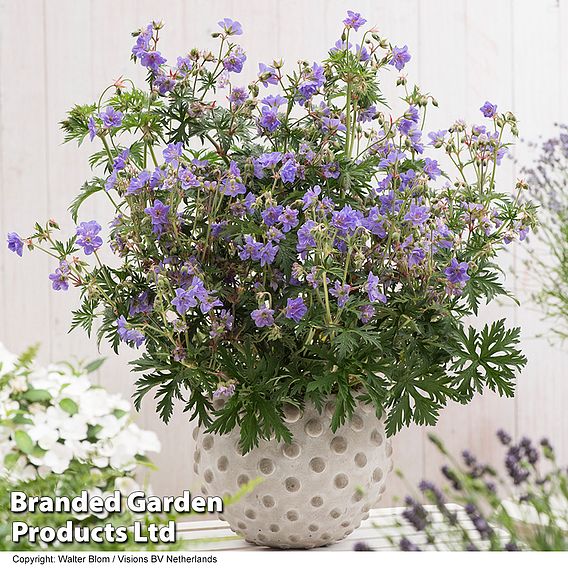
[540, 86]
[67, 55]
[25, 308]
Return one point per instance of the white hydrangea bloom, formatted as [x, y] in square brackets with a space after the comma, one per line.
[74, 421]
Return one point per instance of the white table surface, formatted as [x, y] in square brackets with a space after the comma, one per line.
[382, 531]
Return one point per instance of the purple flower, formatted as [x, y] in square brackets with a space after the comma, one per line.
[456, 273]
[274, 101]
[157, 178]
[235, 60]
[111, 181]
[183, 65]
[274, 235]
[271, 214]
[431, 168]
[288, 171]
[408, 121]
[111, 118]
[366, 313]
[172, 152]
[288, 218]
[332, 125]
[400, 57]
[120, 161]
[269, 118]
[143, 41]
[437, 138]
[341, 292]
[232, 184]
[217, 228]
[305, 238]
[223, 391]
[87, 233]
[416, 256]
[346, 220]
[313, 80]
[354, 20]
[140, 304]
[251, 249]
[362, 53]
[295, 309]
[418, 214]
[331, 170]
[267, 75]
[92, 126]
[263, 317]
[60, 278]
[340, 46]
[374, 223]
[250, 202]
[15, 243]
[268, 253]
[194, 293]
[184, 300]
[368, 114]
[164, 83]
[221, 322]
[230, 27]
[131, 336]
[489, 110]
[187, 178]
[310, 196]
[138, 183]
[267, 160]
[238, 96]
[158, 214]
[372, 288]
[152, 60]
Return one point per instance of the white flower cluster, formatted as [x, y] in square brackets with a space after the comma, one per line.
[52, 416]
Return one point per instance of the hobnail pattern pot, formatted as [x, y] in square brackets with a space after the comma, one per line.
[315, 490]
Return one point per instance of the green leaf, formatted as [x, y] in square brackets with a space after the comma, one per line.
[10, 460]
[489, 358]
[23, 441]
[94, 365]
[37, 395]
[69, 406]
[88, 189]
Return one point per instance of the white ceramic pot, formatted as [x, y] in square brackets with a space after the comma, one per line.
[315, 491]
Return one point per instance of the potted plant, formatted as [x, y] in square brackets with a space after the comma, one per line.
[294, 264]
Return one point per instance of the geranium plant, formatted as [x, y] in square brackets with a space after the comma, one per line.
[291, 239]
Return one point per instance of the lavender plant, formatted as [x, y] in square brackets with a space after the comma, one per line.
[291, 239]
[546, 178]
[526, 509]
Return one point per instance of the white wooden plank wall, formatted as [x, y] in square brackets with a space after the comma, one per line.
[59, 52]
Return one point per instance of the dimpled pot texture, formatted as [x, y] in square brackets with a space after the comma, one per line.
[316, 490]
